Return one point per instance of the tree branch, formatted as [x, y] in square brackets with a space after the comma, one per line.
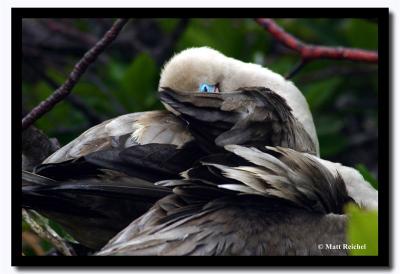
[75, 74]
[76, 102]
[310, 52]
[44, 231]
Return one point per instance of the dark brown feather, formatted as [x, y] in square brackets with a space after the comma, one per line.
[251, 116]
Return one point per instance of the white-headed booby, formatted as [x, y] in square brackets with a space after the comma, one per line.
[261, 162]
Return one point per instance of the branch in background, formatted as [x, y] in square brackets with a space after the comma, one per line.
[74, 100]
[36, 147]
[311, 52]
[296, 68]
[75, 75]
[38, 225]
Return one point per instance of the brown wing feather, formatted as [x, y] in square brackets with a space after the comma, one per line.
[252, 116]
[124, 131]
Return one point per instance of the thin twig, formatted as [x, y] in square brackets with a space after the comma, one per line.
[296, 69]
[76, 102]
[75, 75]
[47, 233]
[310, 52]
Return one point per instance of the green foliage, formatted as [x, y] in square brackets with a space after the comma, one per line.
[48, 225]
[235, 38]
[134, 81]
[198, 34]
[320, 93]
[362, 230]
[138, 83]
[361, 34]
[367, 175]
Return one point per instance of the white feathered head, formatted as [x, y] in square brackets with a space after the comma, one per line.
[207, 70]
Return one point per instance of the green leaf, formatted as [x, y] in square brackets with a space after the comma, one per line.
[367, 175]
[115, 71]
[331, 144]
[167, 24]
[320, 93]
[282, 65]
[60, 231]
[362, 34]
[138, 83]
[362, 230]
[224, 35]
[328, 124]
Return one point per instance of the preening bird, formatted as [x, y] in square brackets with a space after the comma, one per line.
[198, 72]
[244, 141]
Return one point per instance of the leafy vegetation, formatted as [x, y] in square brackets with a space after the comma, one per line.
[362, 231]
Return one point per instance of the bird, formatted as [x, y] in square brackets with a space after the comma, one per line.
[130, 168]
[194, 71]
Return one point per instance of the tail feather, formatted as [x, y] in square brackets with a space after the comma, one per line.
[97, 195]
[91, 210]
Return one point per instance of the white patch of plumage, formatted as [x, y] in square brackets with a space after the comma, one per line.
[194, 66]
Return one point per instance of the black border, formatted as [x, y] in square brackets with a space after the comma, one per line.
[382, 14]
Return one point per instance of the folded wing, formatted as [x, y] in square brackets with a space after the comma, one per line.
[97, 195]
[124, 131]
[252, 116]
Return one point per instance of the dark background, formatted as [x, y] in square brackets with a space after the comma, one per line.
[343, 95]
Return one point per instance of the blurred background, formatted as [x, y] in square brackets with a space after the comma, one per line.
[343, 95]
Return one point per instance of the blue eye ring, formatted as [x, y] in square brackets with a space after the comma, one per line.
[206, 88]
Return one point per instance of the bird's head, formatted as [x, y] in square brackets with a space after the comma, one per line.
[205, 70]
[196, 70]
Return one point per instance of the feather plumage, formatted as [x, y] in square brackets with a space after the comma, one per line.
[97, 195]
[245, 200]
[268, 203]
[124, 131]
[251, 116]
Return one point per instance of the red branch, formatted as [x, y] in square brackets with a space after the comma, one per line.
[310, 52]
[80, 67]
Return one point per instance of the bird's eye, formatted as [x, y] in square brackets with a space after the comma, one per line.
[207, 88]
